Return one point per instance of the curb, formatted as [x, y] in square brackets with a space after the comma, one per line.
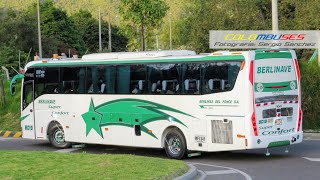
[13, 134]
[191, 174]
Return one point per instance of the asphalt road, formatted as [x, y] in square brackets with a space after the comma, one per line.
[301, 162]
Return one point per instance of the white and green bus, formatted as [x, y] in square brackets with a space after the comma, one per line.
[175, 100]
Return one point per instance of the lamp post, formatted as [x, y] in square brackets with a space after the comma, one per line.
[39, 30]
[275, 24]
[100, 40]
[170, 31]
[109, 32]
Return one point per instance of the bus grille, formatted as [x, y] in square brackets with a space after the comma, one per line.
[221, 132]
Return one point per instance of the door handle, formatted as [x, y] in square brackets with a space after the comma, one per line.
[30, 110]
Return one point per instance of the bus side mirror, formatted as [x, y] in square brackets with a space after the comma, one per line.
[14, 82]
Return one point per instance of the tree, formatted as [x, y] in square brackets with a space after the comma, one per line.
[88, 29]
[146, 14]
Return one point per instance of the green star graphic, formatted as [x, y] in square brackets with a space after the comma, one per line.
[92, 120]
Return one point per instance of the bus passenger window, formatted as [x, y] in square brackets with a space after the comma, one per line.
[219, 76]
[190, 74]
[138, 76]
[70, 77]
[164, 78]
[46, 81]
[92, 79]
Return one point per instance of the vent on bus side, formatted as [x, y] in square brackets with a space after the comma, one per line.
[221, 132]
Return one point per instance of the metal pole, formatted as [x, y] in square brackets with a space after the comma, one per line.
[39, 31]
[100, 43]
[157, 40]
[3, 97]
[275, 24]
[170, 33]
[109, 28]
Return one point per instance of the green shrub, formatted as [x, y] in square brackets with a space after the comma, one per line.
[10, 111]
[310, 86]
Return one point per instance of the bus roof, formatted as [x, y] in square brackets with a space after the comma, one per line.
[137, 57]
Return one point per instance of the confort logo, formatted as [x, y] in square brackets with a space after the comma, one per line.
[262, 37]
[278, 132]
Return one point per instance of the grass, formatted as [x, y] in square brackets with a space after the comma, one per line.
[50, 165]
[10, 112]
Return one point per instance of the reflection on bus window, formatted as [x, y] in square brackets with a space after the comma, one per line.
[70, 78]
[46, 81]
[164, 78]
[219, 76]
[137, 81]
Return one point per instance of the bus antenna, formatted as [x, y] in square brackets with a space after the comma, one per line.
[15, 70]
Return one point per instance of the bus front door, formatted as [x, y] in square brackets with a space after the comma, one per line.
[27, 113]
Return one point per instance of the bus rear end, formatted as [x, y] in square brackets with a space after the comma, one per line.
[276, 109]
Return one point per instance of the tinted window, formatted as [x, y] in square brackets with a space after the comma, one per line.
[73, 80]
[164, 78]
[123, 79]
[138, 83]
[27, 94]
[190, 78]
[46, 81]
[92, 80]
[219, 76]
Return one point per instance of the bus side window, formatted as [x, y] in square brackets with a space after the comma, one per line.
[70, 77]
[123, 79]
[219, 76]
[27, 95]
[92, 79]
[164, 78]
[190, 74]
[46, 81]
[138, 79]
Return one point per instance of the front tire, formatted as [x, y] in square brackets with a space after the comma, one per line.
[57, 138]
[175, 144]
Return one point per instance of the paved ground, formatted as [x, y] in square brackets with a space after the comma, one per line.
[302, 161]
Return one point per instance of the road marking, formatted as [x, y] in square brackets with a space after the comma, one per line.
[241, 172]
[67, 150]
[220, 172]
[18, 134]
[312, 159]
[6, 134]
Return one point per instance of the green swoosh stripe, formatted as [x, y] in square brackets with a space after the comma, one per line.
[24, 117]
[158, 106]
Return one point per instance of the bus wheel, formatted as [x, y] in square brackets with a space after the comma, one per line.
[175, 144]
[56, 137]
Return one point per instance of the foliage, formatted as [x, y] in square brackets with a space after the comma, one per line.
[50, 165]
[88, 29]
[146, 14]
[310, 85]
[10, 112]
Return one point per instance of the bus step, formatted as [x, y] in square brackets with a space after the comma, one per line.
[194, 154]
[78, 145]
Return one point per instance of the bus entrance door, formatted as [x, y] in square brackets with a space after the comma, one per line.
[27, 114]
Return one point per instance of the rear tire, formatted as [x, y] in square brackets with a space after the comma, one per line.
[57, 138]
[175, 144]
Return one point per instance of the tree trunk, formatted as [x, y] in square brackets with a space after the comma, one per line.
[142, 38]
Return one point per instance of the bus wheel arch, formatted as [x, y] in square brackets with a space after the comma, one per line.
[174, 142]
[56, 135]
